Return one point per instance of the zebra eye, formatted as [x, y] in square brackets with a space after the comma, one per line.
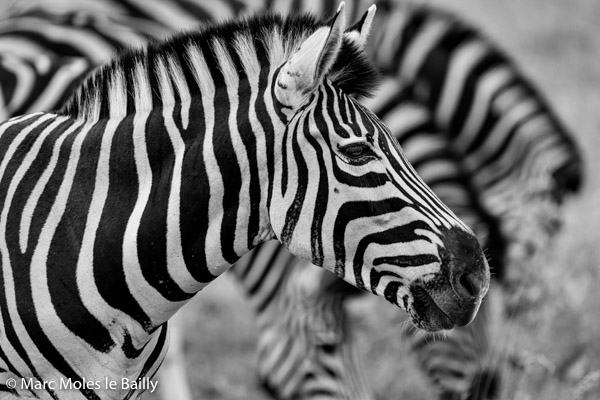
[354, 150]
[358, 153]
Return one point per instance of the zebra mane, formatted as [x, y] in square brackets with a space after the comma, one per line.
[116, 87]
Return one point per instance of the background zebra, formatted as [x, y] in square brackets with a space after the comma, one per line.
[457, 36]
[135, 198]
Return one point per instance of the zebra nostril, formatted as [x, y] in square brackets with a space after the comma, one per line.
[468, 285]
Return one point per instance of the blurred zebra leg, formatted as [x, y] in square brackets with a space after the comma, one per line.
[172, 375]
[306, 349]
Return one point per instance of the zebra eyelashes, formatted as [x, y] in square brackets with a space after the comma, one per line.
[359, 153]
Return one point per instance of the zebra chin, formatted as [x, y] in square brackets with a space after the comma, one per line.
[441, 313]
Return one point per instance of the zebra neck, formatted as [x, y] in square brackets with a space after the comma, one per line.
[192, 169]
[200, 187]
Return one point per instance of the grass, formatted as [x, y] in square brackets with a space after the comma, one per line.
[554, 348]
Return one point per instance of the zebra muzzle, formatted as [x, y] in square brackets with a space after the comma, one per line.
[453, 297]
[440, 310]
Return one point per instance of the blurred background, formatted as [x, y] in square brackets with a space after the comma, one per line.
[552, 348]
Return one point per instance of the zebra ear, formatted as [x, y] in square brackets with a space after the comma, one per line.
[359, 32]
[307, 67]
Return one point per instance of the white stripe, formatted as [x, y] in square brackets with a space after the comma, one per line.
[405, 117]
[117, 95]
[22, 47]
[421, 47]
[462, 61]
[388, 89]
[177, 75]
[26, 78]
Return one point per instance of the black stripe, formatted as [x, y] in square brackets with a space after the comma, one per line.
[135, 11]
[64, 254]
[399, 234]
[411, 29]
[152, 231]
[390, 106]
[199, 13]
[226, 159]
[293, 213]
[263, 116]
[466, 95]
[435, 67]
[321, 201]
[390, 292]
[428, 204]
[9, 81]
[249, 141]
[351, 211]
[266, 268]
[109, 275]
[275, 287]
[195, 195]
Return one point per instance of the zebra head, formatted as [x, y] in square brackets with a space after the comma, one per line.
[345, 197]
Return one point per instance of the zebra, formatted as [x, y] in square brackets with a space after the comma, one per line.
[114, 237]
[399, 33]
